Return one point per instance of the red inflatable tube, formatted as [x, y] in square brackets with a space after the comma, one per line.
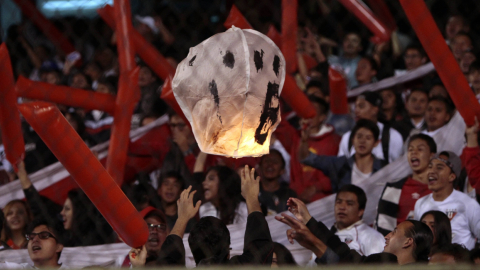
[380, 8]
[65, 95]
[87, 171]
[442, 58]
[128, 96]
[124, 28]
[145, 50]
[338, 92]
[168, 96]
[58, 39]
[274, 35]
[236, 18]
[381, 32]
[289, 34]
[296, 99]
[10, 124]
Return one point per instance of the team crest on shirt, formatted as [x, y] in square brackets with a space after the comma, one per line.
[451, 213]
[348, 240]
[415, 196]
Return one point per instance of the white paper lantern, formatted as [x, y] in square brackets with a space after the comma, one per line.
[228, 88]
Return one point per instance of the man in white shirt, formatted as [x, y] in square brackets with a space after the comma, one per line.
[463, 211]
[44, 247]
[367, 106]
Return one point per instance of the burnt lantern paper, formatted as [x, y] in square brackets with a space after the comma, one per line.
[228, 88]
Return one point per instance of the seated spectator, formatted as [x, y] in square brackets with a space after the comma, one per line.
[392, 106]
[474, 78]
[440, 226]
[367, 106]
[44, 247]
[349, 58]
[415, 106]
[398, 199]
[462, 210]
[273, 192]
[308, 183]
[17, 218]
[367, 69]
[414, 57]
[439, 112]
[450, 254]
[282, 256]
[410, 242]
[349, 207]
[348, 170]
[221, 196]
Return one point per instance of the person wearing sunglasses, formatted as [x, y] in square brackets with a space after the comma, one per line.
[44, 247]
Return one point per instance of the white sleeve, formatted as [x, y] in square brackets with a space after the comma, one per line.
[241, 214]
[374, 244]
[395, 147]
[417, 210]
[343, 147]
[207, 210]
[11, 265]
[474, 218]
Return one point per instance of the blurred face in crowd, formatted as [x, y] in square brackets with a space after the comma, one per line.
[364, 142]
[347, 210]
[169, 190]
[315, 91]
[438, 90]
[52, 78]
[103, 89]
[210, 186]
[317, 120]
[67, 214]
[364, 72]
[474, 80]
[388, 99]
[460, 44]
[79, 81]
[43, 252]
[416, 104]
[352, 45]
[440, 176]
[16, 217]
[156, 235]
[178, 127]
[106, 58]
[436, 115]
[93, 71]
[145, 77]
[365, 110]
[467, 59]
[396, 240]
[454, 25]
[430, 221]
[413, 59]
[271, 166]
[419, 155]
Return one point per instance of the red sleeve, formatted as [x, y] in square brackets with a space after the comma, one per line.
[472, 165]
[286, 134]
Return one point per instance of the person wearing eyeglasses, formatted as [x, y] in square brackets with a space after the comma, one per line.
[44, 247]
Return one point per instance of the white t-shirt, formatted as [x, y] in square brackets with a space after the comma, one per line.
[358, 176]
[394, 147]
[12, 265]
[208, 210]
[463, 211]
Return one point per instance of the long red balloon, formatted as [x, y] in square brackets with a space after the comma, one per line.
[381, 32]
[296, 99]
[236, 18]
[168, 96]
[442, 58]
[124, 29]
[289, 34]
[380, 8]
[86, 169]
[338, 92]
[58, 39]
[145, 50]
[127, 97]
[9, 117]
[274, 35]
[65, 95]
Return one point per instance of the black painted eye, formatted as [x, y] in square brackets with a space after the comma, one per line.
[258, 59]
[229, 59]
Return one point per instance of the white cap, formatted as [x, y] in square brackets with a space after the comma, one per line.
[149, 21]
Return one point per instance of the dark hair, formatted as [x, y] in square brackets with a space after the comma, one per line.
[370, 125]
[475, 254]
[422, 238]
[209, 241]
[229, 192]
[475, 66]
[110, 81]
[87, 78]
[274, 151]
[172, 174]
[429, 140]
[373, 63]
[324, 106]
[284, 256]
[459, 252]
[420, 90]
[358, 191]
[443, 229]
[417, 47]
[319, 84]
[448, 103]
[466, 34]
[53, 227]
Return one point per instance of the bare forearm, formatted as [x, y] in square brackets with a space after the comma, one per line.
[253, 205]
[472, 140]
[180, 226]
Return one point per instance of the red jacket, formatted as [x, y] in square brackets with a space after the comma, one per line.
[302, 176]
[471, 160]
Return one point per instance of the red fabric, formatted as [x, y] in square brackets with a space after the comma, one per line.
[11, 244]
[289, 34]
[338, 92]
[471, 158]
[235, 18]
[302, 176]
[412, 191]
[296, 99]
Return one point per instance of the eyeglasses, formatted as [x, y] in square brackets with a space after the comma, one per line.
[41, 235]
[159, 227]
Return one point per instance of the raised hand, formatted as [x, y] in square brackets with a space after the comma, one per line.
[138, 256]
[301, 233]
[250, 189]
[299, 210]
[186, 209]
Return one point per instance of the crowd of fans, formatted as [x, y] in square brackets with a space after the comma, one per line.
[432, 215]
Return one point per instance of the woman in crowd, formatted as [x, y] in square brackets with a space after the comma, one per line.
[221, 196]
[439, 223]
[17, 217]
